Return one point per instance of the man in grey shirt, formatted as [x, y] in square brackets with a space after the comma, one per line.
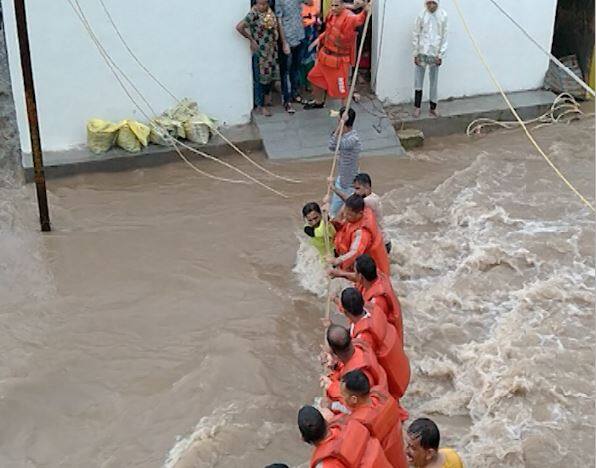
[291, 29]
[350, 148]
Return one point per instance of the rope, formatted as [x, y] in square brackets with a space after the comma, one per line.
[550, 55]
[114, 66]
[514, 112]
[339, 133]
[175, 98]
[564, 107]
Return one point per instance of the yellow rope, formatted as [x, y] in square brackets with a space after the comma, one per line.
[514, 112]
[339, 133]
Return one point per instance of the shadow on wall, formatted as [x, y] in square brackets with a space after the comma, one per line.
[10, 154]
[574, 32]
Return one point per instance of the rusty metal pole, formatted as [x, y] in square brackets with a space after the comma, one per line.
[40, 179]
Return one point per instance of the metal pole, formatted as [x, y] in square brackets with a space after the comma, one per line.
[40, 180]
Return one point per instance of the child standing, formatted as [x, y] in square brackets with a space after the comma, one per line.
[349, 156]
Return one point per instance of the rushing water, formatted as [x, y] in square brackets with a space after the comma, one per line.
[168, 320]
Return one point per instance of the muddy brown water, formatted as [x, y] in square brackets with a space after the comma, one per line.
[170, 320]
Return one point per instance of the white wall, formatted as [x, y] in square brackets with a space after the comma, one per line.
[517, 63]
[191, 46]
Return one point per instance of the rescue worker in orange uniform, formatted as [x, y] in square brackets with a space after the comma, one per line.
[368, 323]
[348, 355]
[342, 443]
[330, 74]
[376, 288]
[376, 410]
[358, 234]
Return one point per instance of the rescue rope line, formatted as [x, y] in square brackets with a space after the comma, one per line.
[339, 133]
[550, 55]
[175, 98]
[563, 109]
[114, 66]
[513, 111]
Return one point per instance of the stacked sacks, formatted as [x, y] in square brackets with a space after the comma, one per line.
[183, 121]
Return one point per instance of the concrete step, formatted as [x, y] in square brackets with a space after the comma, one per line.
[306, 133]
[456, 114]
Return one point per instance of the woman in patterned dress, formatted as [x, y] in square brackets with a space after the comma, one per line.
[261, 29]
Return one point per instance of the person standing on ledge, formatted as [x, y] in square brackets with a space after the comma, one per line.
[330, 75]
[430, 45]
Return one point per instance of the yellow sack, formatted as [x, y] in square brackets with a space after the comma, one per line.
[101, 135]
[197, 128]
[132, 135]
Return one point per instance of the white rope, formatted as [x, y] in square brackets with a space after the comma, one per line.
[550, 55]
[564, 109]
[114, 66]
[175, 98]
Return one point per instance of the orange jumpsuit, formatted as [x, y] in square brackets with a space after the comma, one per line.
[382, 419]
[363, 359]
[374, 329]
[360, 237]
[348, 444]
[381, 293]
[332, 68]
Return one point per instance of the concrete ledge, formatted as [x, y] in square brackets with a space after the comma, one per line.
[456, 114]
[81, 160]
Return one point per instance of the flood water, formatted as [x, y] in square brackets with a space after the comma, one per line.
[173, 321]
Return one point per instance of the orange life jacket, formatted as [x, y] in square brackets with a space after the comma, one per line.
[382, 287]
[338, 38]
[382, 419]
[376, 249]
[363, 359]
[387, 348]
[350, 443]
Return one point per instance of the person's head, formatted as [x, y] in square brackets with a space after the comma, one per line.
[354, 208]
[362, 185]
[432, 5]
[339, 341]
[423, 442]
[277, 465]
[355, 388]
[366, 268]
[337, 6]
[312, 425]
[262, 5]
[352, 303]
[351, 116]
[312, 214]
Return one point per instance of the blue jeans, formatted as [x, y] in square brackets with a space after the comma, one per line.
[289, 68]
[336, 202]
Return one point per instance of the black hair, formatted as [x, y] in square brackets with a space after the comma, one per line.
[356, 382]
[312, 206]
[352, 301]
[312, 425]
[277, 465]
[364, 179]
[427, 432]
[351, 116]
[355, 203]
[366, 266]
[338, 338]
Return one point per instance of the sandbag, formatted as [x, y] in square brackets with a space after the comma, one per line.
[132, 136]
[197, 128]
[162, 126]
[101, 135]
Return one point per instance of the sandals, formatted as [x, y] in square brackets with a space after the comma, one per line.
[289, 108]
[314, 105]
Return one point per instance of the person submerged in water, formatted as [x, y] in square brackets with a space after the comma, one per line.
[315, 228]
[423, 438]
